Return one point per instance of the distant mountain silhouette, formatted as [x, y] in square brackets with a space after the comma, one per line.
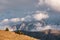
[28, 26]
[44, 35]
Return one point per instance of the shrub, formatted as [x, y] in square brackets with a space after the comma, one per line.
[6, 29]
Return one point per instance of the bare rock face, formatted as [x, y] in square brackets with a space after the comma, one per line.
[6, 35]
[29, 26]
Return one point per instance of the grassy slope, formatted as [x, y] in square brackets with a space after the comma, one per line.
[6, 35]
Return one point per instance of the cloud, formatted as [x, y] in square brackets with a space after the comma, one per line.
[19, 8]
[8, 22]
[53, 4]
[5, 20]
[15, 19]
[28, 18]
[39, 28]
[37, 16]
[40, 15]
[22, 19]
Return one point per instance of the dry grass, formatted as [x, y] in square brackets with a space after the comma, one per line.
[6, 35]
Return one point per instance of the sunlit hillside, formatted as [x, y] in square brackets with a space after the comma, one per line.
[6, 35]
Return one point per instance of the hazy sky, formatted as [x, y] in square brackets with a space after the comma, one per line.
[21, 8]
[13, 10]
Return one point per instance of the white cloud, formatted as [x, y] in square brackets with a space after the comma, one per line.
[22, 19]
[5, 20]
[8, 23]
[15, 19]
[40, 15]
[54, 4]
[26, 18]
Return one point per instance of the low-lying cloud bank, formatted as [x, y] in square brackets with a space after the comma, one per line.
[38, 16]
[54, 27]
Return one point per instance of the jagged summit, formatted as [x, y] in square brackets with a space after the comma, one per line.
[29, 26]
